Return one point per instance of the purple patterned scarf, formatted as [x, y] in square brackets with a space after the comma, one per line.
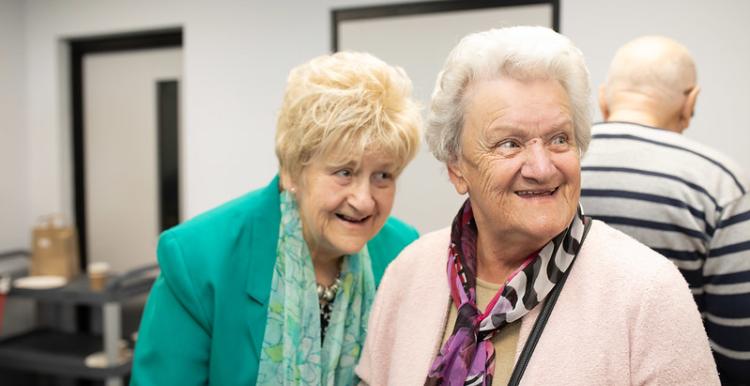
[468, 356]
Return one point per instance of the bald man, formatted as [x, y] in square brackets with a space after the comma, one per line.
[681, 198]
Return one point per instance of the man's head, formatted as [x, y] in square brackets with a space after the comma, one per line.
[651, 81]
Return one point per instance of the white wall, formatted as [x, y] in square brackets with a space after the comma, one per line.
[48, 24]
[15, 232]
[237, 55]
[14, 165]
[716, 32]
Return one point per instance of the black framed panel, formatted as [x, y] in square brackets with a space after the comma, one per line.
[169, 157]
[427, 7]
[79, 48]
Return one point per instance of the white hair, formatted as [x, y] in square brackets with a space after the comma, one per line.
[522, 53]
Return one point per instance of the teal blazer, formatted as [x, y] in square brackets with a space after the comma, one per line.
[205, 317]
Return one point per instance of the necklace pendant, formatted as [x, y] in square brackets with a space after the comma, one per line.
[327, 294]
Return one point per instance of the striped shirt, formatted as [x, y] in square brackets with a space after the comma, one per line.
[689, 203]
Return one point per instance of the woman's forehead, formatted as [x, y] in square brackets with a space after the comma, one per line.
[352, 156]
[511, 104]
[552, 121]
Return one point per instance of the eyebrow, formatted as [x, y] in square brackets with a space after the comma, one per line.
[515, 130]
[354, 164]
[341, 163]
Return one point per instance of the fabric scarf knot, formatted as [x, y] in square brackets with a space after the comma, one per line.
[468, 356]
[292, 353]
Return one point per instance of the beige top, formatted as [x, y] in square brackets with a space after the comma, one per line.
[505, 341]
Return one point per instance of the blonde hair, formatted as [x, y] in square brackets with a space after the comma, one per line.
[521, 53]
[343, 104]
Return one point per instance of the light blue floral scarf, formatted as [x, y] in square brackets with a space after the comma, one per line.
[292, 352]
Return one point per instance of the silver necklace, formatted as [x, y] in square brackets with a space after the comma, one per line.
[327, 294]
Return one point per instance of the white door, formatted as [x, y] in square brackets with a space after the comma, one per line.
[121, 156]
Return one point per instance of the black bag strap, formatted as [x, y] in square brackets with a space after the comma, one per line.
[541, 321]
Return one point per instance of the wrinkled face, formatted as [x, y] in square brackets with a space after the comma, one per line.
[344, 204]
[519, 161]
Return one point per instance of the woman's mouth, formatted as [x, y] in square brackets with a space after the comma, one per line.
[532, 193]
[353, 220]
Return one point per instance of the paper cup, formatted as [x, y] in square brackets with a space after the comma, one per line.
[98, 273]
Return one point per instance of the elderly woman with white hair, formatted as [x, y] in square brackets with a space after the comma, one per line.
[523, 287]
[275, 287]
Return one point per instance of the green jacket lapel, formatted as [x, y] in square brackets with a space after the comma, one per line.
[264, 235]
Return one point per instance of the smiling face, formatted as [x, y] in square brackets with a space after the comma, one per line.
[519, 162]
[343, 205]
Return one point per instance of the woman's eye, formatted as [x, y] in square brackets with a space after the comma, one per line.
[560, 140]
[508, 145]
[345, 173]
[383, 176]
[382, 179]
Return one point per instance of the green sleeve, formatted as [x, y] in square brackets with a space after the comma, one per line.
[173, 341]
[388, 243]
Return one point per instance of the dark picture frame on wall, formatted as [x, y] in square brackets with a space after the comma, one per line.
[420, 8]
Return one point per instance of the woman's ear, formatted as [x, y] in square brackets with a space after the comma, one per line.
[457, 176]
[603, 105]
[285, 181]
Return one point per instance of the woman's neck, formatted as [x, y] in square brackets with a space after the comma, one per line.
[496, 261]
[326, 269]
[325, 264]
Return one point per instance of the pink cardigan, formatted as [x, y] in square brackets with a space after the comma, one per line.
[625, 317]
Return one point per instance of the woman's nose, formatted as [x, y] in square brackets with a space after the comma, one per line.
[361, 198]
[538, 165]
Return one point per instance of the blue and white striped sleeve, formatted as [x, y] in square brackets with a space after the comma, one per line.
[726, 292]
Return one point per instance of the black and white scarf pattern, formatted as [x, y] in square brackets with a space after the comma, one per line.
[468, 356]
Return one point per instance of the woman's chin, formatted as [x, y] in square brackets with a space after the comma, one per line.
[541, 232]
[347, 247]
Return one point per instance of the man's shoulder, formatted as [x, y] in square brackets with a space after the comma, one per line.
[663, 138]
[667, 153]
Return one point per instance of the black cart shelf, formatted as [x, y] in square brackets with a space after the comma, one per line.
[63, 353]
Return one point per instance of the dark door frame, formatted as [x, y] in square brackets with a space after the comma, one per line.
[420, 8]
[79, 48]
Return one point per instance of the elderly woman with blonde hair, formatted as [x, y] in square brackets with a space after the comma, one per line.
[523, 287]
[275, 287]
